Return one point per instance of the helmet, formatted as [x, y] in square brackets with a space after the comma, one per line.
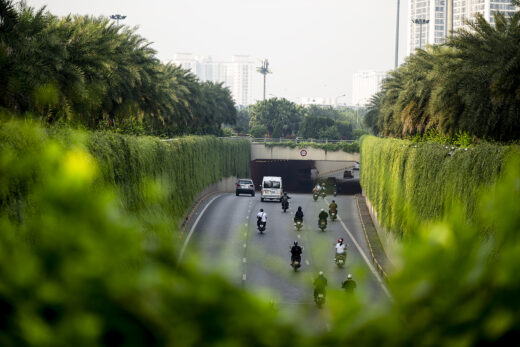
[349, 276]
[340, 240]
[321, 273]
[284, 193]
[296, 243]
[333, 201]
[322, 209]
[261, 210]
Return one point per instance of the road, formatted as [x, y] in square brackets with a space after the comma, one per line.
[224, 236]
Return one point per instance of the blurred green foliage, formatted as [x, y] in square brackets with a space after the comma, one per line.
[79, 267]
[409, 182]
[349, 147]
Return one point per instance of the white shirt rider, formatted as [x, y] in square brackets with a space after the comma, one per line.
[341, 248]
[263, 216]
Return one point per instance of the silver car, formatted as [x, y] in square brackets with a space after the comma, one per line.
[245, 186]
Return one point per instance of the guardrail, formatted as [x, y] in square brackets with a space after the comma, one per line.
[276, 140]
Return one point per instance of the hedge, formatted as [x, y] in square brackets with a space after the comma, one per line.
[349, 147]
[180, 168]
[409, 182]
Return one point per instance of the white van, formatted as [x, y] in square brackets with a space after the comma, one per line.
[272, 188]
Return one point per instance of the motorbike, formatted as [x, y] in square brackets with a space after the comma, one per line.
[319, 298]
[261, 228]
[298, 225]
[315, 196]
[333, 215]
[323, 193]
[285, 205]
[323, 224]
[335, 191]
[341, 259]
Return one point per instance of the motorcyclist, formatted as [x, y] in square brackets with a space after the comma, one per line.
[320, 284]
[296, 253]
[349, 284]
[261, 218]
[333, 207]
[341, 248]
[323, 216]
[299, 215]
[316, 188]
[285, 200]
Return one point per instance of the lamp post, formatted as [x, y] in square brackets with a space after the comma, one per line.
[264, 70]
[337, 97]
[397, 35]
[117, 18]
[420, 21]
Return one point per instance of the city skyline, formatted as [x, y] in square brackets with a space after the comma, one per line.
[314, 47]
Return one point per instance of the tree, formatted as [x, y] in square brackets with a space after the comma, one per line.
[273, 112]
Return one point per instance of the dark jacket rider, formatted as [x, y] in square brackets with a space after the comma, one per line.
[298, 215]
[296, 252]
[323, 216]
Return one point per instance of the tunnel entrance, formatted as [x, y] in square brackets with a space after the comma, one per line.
[299, 176]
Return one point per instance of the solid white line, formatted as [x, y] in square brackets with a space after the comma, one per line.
[193, 228]
[365, 258]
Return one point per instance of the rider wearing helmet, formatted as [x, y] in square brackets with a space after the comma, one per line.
[333, 207]
[322, 216]
[341, 247]
[320, 284]
[299, 215]
[261, 218]
[296, 253]
[349, 284]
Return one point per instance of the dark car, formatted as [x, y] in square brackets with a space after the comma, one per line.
[245, 186]
[348, 174]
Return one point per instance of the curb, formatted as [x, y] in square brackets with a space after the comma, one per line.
[193, 209]
[374, 260]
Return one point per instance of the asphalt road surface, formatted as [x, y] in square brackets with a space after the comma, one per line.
[223, 234]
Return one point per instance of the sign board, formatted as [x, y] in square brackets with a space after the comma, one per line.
[303, 152]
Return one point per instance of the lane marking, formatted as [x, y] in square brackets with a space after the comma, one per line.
[307, 262]
[244, 277]
[244, 260]
[247, 224]
[193, 228]
[365, 258]
[245, 233]
[245, 245]
[299, 236]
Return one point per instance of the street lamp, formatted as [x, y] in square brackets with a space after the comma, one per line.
[337, 97]
[117, 17]
[420, 21]
[397, 36]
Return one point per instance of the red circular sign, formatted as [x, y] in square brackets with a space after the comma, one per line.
[303, 152]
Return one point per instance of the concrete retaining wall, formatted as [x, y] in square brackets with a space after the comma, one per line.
[391, 244]
[260, 151]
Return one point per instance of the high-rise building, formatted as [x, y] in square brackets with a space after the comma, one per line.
[364, 85]
[236, 74]
[436, 13]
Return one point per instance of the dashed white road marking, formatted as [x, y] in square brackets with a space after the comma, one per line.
[244, 245]
[307, 262]
[246, 224]
[245, 233]
[244, 277]
[299, 236]
[244, 260]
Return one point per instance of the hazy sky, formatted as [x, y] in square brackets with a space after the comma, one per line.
[313, 46]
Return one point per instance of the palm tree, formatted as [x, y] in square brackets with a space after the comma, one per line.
[264, 70]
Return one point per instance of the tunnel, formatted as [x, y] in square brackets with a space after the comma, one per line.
[299, 176]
